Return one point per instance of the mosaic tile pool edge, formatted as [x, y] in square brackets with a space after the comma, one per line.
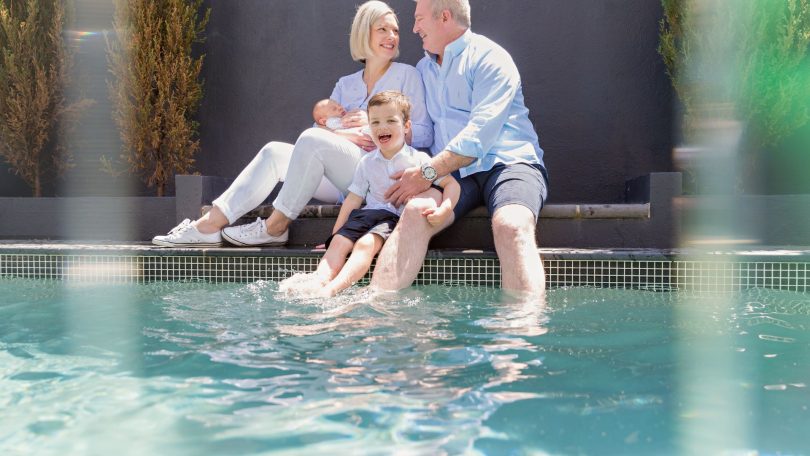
[660, 275]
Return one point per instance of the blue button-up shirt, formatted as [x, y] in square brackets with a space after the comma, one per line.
[351, 92]
[475, 99]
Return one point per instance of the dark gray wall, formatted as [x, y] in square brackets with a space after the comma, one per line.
[593, 81]
[11, 184]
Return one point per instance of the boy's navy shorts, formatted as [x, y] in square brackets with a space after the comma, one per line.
[518, 183]
[363, 221]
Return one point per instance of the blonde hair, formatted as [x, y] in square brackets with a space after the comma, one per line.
[459, 9]
[398, 99]
[367, 14]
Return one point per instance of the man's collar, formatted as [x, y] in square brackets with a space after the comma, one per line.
[455, 47]
[459, 44]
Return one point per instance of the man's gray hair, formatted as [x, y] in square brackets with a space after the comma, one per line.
[460, 9]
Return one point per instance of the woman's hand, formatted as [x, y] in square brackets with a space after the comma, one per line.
[362, 140]
[355, 118]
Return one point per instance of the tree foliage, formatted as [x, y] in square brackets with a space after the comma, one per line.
[762, 48]
[34, 71]
[156, 87]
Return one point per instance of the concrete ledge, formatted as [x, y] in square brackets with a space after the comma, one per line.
[646, 219]
[99, 218]
[551, 211]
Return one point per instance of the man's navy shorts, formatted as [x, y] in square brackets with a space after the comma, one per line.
[518, 183]
[363, 221]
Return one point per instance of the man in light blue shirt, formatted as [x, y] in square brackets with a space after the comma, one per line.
[482, 130]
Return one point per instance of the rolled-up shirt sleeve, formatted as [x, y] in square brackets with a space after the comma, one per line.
[422, 126]
[495, 84]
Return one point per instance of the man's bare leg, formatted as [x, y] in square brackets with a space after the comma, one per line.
[404, 252]
[513, 227]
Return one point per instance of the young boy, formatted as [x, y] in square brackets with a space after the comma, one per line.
[363, 231]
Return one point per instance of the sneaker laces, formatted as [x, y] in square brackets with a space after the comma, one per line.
[256, 228]
[184, 226]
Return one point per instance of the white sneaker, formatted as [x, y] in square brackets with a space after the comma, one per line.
[186, 235]
[253, 234]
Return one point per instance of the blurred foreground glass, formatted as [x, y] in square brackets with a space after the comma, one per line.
[742, 74]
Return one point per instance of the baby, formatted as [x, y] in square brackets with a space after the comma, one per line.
[329, 114]
[361, 231]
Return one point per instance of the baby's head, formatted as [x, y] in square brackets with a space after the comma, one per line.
[389, 116]
[325, 109]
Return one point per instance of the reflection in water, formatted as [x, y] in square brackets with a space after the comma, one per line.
[358, 358]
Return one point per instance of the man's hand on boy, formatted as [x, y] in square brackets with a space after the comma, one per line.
[409, 184]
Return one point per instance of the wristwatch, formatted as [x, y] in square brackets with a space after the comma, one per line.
[429, 172]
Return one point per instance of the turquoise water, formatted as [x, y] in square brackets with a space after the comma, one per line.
[192, 368]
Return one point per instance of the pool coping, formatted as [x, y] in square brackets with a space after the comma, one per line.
[799, 254]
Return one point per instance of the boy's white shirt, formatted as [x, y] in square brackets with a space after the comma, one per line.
[372, 177]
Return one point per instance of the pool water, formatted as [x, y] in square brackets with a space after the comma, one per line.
[195, 368]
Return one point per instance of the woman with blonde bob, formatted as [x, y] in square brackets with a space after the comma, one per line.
[321, 164]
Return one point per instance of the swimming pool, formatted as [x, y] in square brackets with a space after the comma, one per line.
[200, 368]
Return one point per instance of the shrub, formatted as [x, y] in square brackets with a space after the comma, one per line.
[34, 71]
[748, 57]
[156, 88]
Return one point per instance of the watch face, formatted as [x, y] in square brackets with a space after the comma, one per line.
[429, 173]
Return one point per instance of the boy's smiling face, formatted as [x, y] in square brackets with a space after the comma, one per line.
[387, 128]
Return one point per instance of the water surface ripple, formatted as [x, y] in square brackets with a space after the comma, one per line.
[194, 368]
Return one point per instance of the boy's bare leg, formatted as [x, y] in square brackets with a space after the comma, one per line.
[329, 266]
[334, 258]
[357, 265]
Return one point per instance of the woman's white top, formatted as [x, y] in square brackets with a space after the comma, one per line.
[351, 92]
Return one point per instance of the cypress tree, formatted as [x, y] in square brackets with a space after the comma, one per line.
[34, 71]
[156, 87]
